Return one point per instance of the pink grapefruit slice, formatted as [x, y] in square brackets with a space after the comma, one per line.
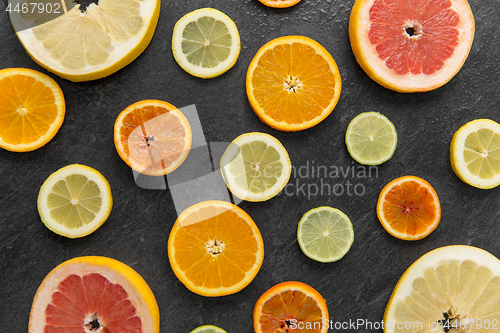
[410, 45]
[94, 294]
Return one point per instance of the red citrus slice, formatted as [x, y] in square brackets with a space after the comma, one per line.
[94, 294]
[411, 46]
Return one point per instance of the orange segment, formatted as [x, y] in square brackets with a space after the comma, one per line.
[279, 3]
[153, 137]
[32, 109]
[291, 307]
[408, 208]
[293, 83]
[215, 248]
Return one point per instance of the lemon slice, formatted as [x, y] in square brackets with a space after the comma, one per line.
[255, 166]
[82, 46]
[206, 43]
[208, 329]
[74, 201]
[475, 153]
[371, 138]
[325, 234]
[451, 289]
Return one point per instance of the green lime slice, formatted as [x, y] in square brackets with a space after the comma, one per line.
[325, 234]
[371, 138]
[208, 329]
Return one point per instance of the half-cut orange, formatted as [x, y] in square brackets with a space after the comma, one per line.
[408, 208]
[215, 248]
[293, 83]
[153, 137]
[291, 307]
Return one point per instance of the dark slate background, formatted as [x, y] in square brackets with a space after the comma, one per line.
[356, 287]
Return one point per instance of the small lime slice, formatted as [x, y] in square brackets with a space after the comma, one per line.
[325, 234]
[205, 43]
[208, 329]
[371, 138]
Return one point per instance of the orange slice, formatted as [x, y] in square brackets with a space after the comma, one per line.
[32, 109]
[408, 208]
[152, 137]
[279, 3]
[291, 307]
[94, 294]
[215, 248]
[293, 83]
[411, 46]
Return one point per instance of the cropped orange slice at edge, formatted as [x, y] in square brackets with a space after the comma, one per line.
[32, 109]
[215, 248]
[408, 208]
[279, 3]
[153, 137]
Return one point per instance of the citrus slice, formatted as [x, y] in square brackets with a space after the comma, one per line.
[94, 294]
[450, 289]
[408, 208]
[279, 3]
[291, 307]
[88, 45]
[325, 234]
[206, 43]
[74, 201]
[153, 137]
[215, 248]
[255, 166]
[411, 46]
[371, 138]
[208, 329]
[475, 153]
[32, 109]
[293, 83]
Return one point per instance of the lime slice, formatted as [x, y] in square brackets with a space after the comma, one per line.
[255, 166]
[206, 43]
[74, 201]
[475, 153]
[371, 138]
[325, 234]
[208, 329]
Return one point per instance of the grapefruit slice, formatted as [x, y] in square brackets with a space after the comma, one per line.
[94, 294]
[411, 46]
[291, 307]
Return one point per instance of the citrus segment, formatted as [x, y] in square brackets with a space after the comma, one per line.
[450, 289]
[371, 138]
[410, 47]
[290, 307]
[293, 83]
[88, 294]
[206, 43]
[255, 166]
[82, 46]
[408, 208]
[153, 137]
[208, 329]
[325, 234]
[279, 3]
[74, 201]
[215, 248]
[475, 153]
[32, 109]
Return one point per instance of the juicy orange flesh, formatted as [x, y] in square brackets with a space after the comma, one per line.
[152, 137]
[27, 109]
[196, 249]
[291, 307]
[292, 83]
[409, 208]
[79, 300]
[433, 24]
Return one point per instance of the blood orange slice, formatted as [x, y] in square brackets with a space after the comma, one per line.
[411, 46]
[94, 294]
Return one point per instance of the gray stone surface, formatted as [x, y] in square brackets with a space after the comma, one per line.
[359, 285]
